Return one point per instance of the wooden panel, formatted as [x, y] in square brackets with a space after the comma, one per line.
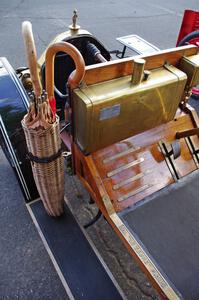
[118, 68]
[149, 174]
[135, 168]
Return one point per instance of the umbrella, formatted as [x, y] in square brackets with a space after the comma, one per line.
[41, 128]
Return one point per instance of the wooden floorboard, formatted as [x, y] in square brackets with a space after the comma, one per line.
[135, 168]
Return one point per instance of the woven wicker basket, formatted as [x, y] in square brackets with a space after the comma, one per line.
[49, 176]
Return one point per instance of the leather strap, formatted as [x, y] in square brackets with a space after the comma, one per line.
[44, 160]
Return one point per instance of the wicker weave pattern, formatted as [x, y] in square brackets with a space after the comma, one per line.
[49, 177]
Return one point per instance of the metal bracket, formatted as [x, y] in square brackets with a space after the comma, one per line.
[175, 151]
[66, 154]
[193, 151]
[94, 219]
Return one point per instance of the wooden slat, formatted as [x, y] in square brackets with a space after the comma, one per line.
[118, 68]
[125, 167]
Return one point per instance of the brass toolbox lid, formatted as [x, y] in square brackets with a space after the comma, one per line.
[111, 111]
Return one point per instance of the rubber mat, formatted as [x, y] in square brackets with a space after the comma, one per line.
[81, 268]
[167, 224]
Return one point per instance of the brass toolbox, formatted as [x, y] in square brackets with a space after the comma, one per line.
[111, 111]
[190, 65]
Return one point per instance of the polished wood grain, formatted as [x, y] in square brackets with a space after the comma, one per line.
[118, 68]
[135, 168]
[152, 173]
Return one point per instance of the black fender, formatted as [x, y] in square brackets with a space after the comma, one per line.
[13, 106]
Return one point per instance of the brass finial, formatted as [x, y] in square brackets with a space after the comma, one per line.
[74, 25]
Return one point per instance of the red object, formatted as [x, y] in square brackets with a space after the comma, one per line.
[195, 91]
[190, 23]
[52, 102]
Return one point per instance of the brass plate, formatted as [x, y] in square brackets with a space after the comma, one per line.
[121, 154]
[129, 180]
[124, 167]
[134, 192]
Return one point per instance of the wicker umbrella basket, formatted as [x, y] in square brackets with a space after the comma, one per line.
[47, 165]
[41, 128]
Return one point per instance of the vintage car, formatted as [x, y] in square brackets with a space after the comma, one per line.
[131, 137]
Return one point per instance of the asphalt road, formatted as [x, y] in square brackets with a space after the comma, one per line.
[25, 270]
[158, 21]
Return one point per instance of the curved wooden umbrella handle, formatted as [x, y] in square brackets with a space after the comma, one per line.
[75, 78]
[31, 56]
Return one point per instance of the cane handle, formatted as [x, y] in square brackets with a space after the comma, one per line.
[31, 56]
[75, 78]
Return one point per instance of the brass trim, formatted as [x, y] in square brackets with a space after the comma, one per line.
[134, 192]
[129, 180]
[139, 251]
[124, 167]
[118, 155]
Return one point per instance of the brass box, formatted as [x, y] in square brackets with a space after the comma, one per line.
[111, 111]
[190, 65]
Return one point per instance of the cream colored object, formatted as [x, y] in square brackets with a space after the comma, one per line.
[76, 76]
[41, 130]
[111, 111]
[31, 56]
